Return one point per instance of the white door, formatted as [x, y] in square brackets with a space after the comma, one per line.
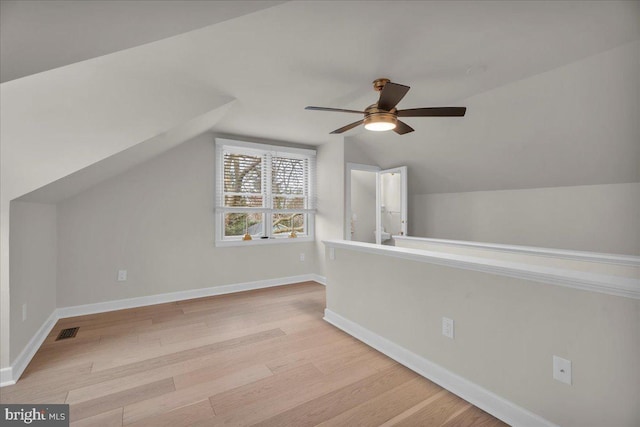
[391, 203]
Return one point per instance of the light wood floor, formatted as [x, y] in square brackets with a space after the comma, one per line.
[263, 358]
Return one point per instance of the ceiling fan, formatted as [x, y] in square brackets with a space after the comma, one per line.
[383, 115]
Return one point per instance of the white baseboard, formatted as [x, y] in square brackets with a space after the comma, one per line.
[10, 375]
[320, 279]
[102, 307]
[484, 399]
[6, 377]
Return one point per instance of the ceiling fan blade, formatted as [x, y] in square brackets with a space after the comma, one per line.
[433, 112]
[402, 128]
[391, 94]
[338, 110]
[348, 127]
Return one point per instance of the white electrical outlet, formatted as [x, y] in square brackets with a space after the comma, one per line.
[24, 312]
[447, 327]
[332, 253]
[301, 256]
[122, 275]
[562, 370]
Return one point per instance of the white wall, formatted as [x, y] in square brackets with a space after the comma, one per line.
[598, 218]
[355, 154]
[506, 332]
[33, 246]
[330, 178]
[363, 205]
[156, 221]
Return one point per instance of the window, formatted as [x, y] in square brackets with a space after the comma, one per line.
[263, 191]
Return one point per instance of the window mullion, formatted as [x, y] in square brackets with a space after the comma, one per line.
[268, 196]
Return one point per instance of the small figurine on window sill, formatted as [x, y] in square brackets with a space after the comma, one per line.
[246, 236]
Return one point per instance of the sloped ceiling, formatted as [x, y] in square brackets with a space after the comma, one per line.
[574, 125]
[279, 59]
[115, 164]
[39, 35]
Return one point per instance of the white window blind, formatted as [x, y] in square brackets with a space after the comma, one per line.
[265, 191]
[243, 180]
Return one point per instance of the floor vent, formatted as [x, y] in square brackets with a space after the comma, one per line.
[67, 333]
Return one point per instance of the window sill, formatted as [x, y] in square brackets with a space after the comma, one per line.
[257, 242]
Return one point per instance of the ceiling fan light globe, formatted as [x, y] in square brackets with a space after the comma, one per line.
[380, 121]
[380, 126]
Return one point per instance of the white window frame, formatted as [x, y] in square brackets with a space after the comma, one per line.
[252, 148]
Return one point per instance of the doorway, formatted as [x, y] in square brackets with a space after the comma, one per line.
[361, 191]
[391, 204]
[376, 203]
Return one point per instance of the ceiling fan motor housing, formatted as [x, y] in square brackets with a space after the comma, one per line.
[378, 84]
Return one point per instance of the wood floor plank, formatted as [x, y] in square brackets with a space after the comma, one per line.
[96, 353]
[184, 416]
[124, 340]
[414, 409]
[316, 354]
[435, 413]
[111, 320]
[106, 403]
[161, 404]
[332, 404]
[182, 351]
[117, 385]
[253, 295]
[121, 316]
[239, 397]
[386, 405]
[259, 357]
[304, 322]
[283, 400]
[360, 354]
[53, 346]
[36, 396]
[274, 310]
[51, 380]
[181, 332]
[118, 328]
[256, 302]
[111, 418]
[267, 350]
[204, 331]
[474, 417]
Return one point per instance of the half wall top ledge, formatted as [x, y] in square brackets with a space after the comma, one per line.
[591, 274]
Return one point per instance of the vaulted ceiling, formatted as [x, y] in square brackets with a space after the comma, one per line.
[275, 58]
[39, 35]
